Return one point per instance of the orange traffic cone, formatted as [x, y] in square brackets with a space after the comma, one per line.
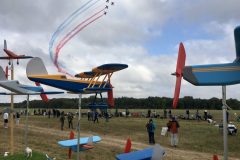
[215, 157]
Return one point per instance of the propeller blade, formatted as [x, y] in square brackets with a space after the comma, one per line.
[177, 92]
[5, 44]
[181, 59]
[6, 72]
[179, 73]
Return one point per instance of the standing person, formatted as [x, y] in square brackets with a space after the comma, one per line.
[151, 128]
[62, 118]
[187, 113]
[205, 115]
[95, 117]
[169, 113]
[17, 118]
[173, 126]
[70, 118]
[5, 120]
[89, 115]
[164, 113]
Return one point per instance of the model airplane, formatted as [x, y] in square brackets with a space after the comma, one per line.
[207, 75]
[85, 143]
[12, 55]
[89, 82]
[152, 153]
[210, 75]
[17, 88]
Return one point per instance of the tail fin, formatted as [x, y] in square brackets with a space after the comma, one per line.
[128, 146]
[237, 43]
[36, 67]
[5, 44]
[2, 75]
[43, 96]
[90, 140]
[110, 97]
[158, 152]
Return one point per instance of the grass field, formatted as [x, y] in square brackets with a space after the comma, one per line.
[199, 140]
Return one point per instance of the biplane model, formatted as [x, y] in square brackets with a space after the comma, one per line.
[88, 82]
[210, 75]
[11, 55]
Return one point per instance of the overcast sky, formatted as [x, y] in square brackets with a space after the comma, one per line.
[144, 34]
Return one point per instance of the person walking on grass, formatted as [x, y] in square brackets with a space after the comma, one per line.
[95, 116]
[173, 126]
[5, 119]
[150, 129]
[70, 119]
[17, 118]
[62, 119]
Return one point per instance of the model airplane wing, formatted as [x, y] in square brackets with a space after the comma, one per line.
[145, 154]
[72, 143]
[21, 89]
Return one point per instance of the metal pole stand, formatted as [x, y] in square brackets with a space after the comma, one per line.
[225, 125]
[78, 126]
[26, 125]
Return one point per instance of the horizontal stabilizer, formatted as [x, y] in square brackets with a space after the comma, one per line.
[36, 67]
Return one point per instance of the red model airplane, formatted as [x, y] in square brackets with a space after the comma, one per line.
[12, 55]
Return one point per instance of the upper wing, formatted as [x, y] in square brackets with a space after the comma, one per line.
[102, 70]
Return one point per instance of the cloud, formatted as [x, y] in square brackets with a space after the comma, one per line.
[122, 37]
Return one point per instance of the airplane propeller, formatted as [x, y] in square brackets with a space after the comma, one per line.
[179, 73]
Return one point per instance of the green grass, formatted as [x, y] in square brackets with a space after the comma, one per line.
[193, 135]
[36, 155]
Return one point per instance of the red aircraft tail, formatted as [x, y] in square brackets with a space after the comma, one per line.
[43, 96]
[71, 136]
[128, 146]
[110, 97]
[179, 72]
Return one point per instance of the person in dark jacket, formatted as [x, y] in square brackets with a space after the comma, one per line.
[150, 129]
[62, 119]
[173, 126]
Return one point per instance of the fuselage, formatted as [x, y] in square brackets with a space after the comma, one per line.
[71, 85]
[213, 74]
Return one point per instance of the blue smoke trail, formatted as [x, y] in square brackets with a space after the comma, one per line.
[67, 22]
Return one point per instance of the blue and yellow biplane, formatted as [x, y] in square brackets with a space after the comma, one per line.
[95, 81]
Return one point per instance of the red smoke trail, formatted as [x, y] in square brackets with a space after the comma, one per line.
[70, 35]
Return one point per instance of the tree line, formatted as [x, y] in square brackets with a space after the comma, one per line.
[187, 102]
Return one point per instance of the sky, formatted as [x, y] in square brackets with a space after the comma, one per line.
[145, 34]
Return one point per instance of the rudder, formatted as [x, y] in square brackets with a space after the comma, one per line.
[36, 67]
